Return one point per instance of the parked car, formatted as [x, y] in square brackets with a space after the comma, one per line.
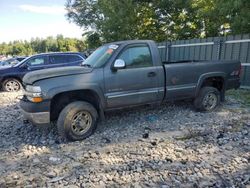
[120, 75]
[12, 61]
[11, 77]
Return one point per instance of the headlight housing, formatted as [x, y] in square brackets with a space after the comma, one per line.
[33, 89]
[33, 93]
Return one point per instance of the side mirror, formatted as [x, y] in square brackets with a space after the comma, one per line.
[119, 64]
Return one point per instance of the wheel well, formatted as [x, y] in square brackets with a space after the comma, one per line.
[61, 100]
[217, 82]
[12, 77]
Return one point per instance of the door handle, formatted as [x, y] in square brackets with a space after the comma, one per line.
[151, 74]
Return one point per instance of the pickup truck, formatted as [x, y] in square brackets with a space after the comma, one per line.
[118, 75]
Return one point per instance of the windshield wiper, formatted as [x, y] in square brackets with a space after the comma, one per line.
[87, 65]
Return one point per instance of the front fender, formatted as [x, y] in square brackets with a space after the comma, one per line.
[66, 88]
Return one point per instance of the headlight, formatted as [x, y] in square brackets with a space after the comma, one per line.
[33, 89]
[33, 93]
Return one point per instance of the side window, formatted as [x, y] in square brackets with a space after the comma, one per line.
[136, 57]
[74, 58]
[36, 61]
[58, 59]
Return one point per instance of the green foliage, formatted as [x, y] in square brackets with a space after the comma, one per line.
[222, 17]
[160, 19]
[237, 14]
[50, 44]
[242, 95]
[93, 40]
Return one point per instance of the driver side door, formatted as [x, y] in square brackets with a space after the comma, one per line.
[136, 83]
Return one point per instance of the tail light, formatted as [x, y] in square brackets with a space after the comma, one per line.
[237, 72]
[240, 71]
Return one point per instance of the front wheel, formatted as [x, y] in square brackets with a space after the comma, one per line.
[208, 99]
[11, 85]
[77, 121]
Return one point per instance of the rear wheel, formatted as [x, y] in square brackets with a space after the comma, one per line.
[77, 121]
[11, 85]
[208, 99]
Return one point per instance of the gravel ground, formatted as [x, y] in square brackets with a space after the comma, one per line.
[166, 146]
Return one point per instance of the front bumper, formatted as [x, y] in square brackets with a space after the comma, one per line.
[36, 113]
[39, 118]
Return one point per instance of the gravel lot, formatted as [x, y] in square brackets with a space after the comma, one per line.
[167, 146]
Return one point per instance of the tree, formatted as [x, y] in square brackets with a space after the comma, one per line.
[157, 19]
[18, 48]
[160, 19]
[223, 17]
[179, 19]
[37, 45]
[104, 17]
[93, 40]
[52, 45]
[236, 13]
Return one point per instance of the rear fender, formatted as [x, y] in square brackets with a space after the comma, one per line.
[203, 77]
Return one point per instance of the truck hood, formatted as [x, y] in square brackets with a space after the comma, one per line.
[34, 76]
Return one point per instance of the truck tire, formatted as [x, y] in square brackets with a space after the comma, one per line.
[77, 121]
[208, 99]
[11, 85]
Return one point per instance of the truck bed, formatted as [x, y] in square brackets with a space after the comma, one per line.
[183, 77]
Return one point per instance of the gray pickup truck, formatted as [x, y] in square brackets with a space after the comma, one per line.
[119, 75]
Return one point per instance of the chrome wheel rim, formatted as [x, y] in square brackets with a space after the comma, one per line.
[210, 101]
[12, 85]
[81, 122]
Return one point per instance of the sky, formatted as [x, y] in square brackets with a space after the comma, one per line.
[26, 19]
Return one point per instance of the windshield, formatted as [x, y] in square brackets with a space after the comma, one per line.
[100, 56]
